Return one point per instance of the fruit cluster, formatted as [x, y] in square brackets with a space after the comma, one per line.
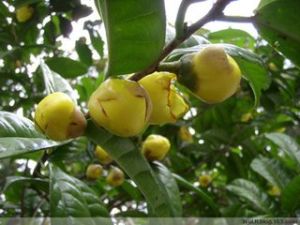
[125, 107]
[211, 75]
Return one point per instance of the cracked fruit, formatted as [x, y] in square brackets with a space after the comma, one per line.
[211, 74]
[155, 147]
[102, 155]
[168, 104]
[122, 107]
[59, 118]
[115, 177]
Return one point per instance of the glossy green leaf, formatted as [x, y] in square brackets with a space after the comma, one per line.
[126, 154]
[271, 170]
[66, 67]
[288, 145]
[55, 83]
[251, 65]
[232, 36]
[291, 195]
[278, 22]
[70, 197]
[166, 178]
[95, 37]
[84, 53]
[15, 184]
[19, 3]
[135, 33]
[190, 42]
[202, 195]
[18, 135]
[249, 192]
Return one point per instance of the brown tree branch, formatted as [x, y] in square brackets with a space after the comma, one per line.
[215, 12]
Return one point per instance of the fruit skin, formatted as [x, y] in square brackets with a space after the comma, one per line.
[24, 13]
[122, 107]
[205, 180]
[102, 155]
[168, 104]
[274, 191]
[58, 117]
[185, 135]
[115, 177]
[93, 171]
[211, 74]
[155, 147]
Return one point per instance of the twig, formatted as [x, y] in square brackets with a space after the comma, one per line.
[235, 19]
[37, 169]
[215, 12]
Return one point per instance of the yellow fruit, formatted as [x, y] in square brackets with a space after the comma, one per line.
[185, 135]
[273, 67]
[59, 118]
[115, 177]
[205, 180]
[24, 13]
[102, 155]
[246, 117]
[94, 171]
[211, 74]
[122, 107]
[155, 147]
[274, 191]
[168, 104]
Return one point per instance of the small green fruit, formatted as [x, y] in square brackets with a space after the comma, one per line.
[155, 147]
[115, 177]
[93, 171]
[102, 155]
[24, 13]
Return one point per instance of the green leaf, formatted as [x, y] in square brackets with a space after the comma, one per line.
[291, 195]
[190, 42]
[95, 37]
[278, 22]
[55, 83]
[133, 191]
[166, 179]
[70, 197]
[126, 154]
[12, 125]
[18, 135]
[204, 196]
[271, 170]
[15, 184]
[19, 3]
[251, 193]
[263, 3]
[251, 65]
[66, 67]
[84, 53]
[233, 36]
[135, 34]
[288, 145]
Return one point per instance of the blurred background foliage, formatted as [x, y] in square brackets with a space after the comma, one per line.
[251, 156]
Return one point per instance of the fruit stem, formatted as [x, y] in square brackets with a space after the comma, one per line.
[172, 67]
